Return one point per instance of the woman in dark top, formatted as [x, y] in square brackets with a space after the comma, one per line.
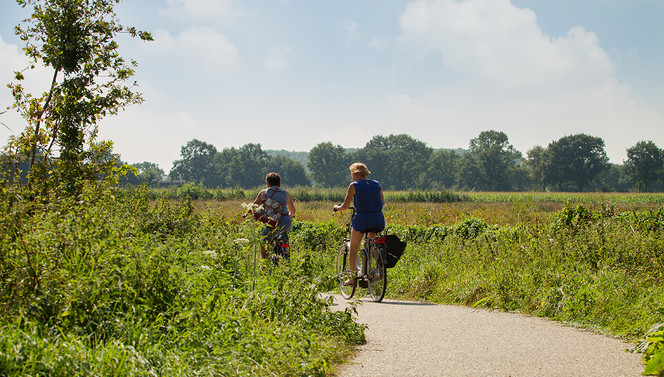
[367, 197]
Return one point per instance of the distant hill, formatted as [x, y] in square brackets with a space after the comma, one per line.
[302, 157]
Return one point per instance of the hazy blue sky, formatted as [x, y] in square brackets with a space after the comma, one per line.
[289, 74]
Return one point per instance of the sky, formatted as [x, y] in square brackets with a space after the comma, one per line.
[290, 74]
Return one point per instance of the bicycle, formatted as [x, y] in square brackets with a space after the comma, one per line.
[276, 244]
[372, 274]
[280, 250]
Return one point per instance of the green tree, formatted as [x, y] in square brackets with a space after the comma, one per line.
[292, 172]
[613, 179]
[197, 164]
[149, 173]
[76, 39]
[248, 166]
[397, 161]
[443, 168]
[574, 161]
[537, 164]
[469, 174]
[645, 164]
[328, 164]
[494, 161]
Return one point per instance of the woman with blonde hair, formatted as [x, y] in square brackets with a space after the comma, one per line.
[367, 197]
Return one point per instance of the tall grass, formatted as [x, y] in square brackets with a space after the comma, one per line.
[122, 287]
[598, 269]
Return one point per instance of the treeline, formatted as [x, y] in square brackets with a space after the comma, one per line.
[572, 163]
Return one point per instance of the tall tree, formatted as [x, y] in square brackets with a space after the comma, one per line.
[292, 172]
[249, 166]
[574, 161]
[328, 164]
[75, 39]
[494, 159]
[645, 164]
[398, 161]
[197, 164]
[149, 173]
[469, 175]
[537, 163]
[443, 168]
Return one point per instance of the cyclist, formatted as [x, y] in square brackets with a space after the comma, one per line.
[368, 200]
[285, 202]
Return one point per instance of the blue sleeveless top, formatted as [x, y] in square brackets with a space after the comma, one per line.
[368, 206]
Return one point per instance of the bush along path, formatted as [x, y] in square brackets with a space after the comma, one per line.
[116, 286]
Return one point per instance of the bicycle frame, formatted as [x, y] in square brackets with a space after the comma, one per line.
[372, 274]
[279, 250]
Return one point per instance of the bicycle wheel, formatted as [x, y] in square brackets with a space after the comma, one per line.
[343, 273]
[377, 274]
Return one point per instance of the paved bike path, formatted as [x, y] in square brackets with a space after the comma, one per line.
[418, 339]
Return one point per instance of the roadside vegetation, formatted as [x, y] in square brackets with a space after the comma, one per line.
[122, 283]
[118, 286]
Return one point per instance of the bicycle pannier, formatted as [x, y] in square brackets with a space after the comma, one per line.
[394, 248]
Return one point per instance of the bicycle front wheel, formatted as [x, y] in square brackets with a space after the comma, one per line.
[343, 272]
[377, 274]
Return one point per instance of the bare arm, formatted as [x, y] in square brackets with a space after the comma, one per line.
[349, 198]
[291, 206]
[259, 198]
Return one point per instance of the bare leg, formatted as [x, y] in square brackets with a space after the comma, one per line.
[355, 241]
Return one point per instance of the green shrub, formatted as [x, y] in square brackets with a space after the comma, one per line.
[117, 286]
[652, 348]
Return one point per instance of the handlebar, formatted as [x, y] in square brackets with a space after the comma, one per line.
[350, 208]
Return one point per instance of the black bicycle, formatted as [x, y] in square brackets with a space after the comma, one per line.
[369, 270]
[280, 250]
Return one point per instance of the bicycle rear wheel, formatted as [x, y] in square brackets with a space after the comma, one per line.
[377, 274]
[343, 273]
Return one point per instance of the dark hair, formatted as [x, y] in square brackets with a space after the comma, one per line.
[273, 179]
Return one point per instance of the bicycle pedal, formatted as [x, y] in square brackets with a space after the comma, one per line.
[363, 284]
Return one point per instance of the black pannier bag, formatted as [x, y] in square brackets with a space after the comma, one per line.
[394, 248]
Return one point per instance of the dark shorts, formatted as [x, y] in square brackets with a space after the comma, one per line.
[269, 233]
[368, 220]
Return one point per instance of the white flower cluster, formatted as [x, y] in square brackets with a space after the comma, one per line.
[250, 206]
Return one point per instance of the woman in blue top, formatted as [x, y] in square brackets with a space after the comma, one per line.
[276, 193]
[367, 197]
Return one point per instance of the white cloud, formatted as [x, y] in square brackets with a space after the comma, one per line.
[198, 48]
[379, 44]
[147, 133]
[277, 58]
[350, 30]
[496, 44]
[199, 8]
[516, 79]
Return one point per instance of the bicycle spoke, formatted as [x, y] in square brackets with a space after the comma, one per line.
[377, 275]
[343, 273]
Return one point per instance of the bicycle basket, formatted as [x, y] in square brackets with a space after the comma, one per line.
[394, 249]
